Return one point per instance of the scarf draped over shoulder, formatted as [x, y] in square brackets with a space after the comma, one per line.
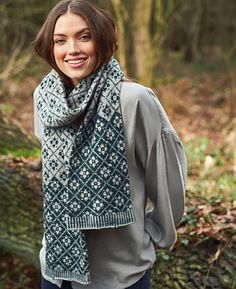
[85, 171]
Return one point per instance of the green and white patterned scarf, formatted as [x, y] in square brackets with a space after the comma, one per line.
[85, 172]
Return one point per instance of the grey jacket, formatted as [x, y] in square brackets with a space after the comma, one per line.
[157, 171]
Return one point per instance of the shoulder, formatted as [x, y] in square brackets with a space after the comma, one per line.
[139, 106]
[134, 91]
[133, 94]
[136, 98]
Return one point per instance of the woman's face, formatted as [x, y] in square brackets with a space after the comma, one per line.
[74, 48]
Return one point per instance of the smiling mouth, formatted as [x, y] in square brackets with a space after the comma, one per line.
[75, 61]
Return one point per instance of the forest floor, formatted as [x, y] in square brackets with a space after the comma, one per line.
[201, 109]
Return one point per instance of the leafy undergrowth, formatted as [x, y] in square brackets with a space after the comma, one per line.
[25, 153]
[211, 193]
[204, 254]
[16, 273]
[208, 219]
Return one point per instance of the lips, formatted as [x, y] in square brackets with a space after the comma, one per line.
[76, 60]
[76, 63]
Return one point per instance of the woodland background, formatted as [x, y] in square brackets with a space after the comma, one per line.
[186, 51]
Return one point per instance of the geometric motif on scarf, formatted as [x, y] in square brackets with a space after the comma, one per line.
[85, 171]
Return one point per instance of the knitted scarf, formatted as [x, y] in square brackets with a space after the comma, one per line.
[85, 172]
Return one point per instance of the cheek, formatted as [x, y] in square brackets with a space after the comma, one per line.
[58, 54]
[91, 50]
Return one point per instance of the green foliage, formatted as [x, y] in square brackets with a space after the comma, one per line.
[6, 108]
[196, 152]
[210, 170]
[20, 152]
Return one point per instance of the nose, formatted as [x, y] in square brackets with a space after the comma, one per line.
[73, 47]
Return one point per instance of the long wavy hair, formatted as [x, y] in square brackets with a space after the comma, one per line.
[100, 22]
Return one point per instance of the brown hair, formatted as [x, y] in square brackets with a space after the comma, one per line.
[100, 22]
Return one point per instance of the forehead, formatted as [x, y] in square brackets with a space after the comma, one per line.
[70, 22]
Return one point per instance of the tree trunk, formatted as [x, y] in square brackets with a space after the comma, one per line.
[20, 211]
[20, 203]
[119, 12]
[194, 33]
[142, 27]
[140, 38]
[209, 265]
[14, 140]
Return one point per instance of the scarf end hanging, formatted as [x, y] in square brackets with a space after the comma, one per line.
[109, 220]
[68, 276]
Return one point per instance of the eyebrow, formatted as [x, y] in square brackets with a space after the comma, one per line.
[78, 32]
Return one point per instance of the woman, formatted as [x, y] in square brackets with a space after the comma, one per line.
[107, 147]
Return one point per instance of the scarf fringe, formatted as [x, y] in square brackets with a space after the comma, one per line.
[68, 276]
[110, 220]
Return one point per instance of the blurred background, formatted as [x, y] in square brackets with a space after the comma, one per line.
[186, 52]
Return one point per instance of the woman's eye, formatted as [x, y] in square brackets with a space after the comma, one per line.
[85, 37]
[59, 41]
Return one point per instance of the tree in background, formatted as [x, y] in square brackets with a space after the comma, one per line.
[203, 29]
[148, 30]
[19, 22]
[142, 27]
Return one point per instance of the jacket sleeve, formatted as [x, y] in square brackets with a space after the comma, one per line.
[165, 179]
[38, 126]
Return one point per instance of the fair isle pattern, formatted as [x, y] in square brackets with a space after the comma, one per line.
[85, 172]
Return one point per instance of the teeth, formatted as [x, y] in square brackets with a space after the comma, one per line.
[75, 61]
